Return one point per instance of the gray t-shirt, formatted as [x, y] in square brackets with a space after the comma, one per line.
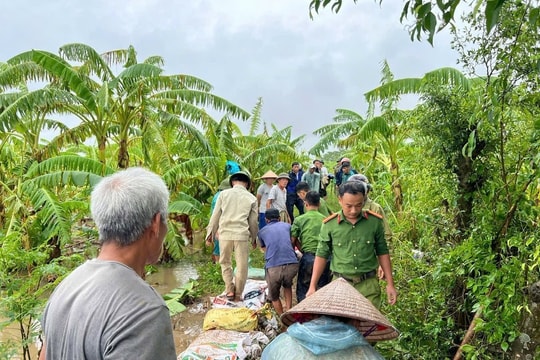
[104, 310]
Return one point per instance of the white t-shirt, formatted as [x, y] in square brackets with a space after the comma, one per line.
[263, 191]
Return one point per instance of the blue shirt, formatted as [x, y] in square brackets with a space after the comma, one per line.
[295, 178]
[276, 238]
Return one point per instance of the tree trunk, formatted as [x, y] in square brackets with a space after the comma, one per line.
[526, 345]
[396, 187]
[123, 155]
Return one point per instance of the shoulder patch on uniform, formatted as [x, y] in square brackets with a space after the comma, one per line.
[330, 218]
[374, 214]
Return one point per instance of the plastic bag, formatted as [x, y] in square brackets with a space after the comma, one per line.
[287, 347]
[256, 273]
[254, 294]
[324, 335]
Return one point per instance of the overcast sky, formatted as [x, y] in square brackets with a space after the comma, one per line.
[303, 69]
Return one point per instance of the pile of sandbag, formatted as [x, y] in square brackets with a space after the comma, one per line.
[235, 330]
[224, 345]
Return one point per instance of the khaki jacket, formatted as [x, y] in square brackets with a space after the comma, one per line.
[235, 216]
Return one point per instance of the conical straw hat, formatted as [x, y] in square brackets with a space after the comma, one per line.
[341, 299]
[269, 175]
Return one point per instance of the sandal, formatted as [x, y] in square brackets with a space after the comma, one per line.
[229, 296]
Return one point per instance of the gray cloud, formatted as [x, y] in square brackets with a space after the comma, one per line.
[304, 69]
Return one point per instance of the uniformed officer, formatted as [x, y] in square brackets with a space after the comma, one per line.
[376, 208]
[355, 239]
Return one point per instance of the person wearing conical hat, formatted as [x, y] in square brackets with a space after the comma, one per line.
[336, 322]
[263, 190]
[340, 299]
[355, 239]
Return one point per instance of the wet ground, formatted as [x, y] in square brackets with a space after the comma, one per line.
[188, 324]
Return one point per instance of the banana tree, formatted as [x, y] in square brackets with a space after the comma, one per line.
[111, 108]
[379, 138]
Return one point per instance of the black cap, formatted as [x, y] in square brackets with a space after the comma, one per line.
[240, 176]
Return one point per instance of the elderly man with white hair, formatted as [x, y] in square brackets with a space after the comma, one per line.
[104, 309]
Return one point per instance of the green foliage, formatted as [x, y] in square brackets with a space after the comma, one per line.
[210, 280]
[256, 259]
[26, 277]
[463, 165]
[429, 17]
[420, 313]
[177, 297]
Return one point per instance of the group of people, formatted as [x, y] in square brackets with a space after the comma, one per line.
[316, 246]
[100, 309]
[284, 196]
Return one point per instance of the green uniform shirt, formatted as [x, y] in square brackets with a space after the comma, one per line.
[376, 208]
[307, 228]
[354, 248]
[324, 209]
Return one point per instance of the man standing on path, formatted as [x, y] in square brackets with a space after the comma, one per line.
[262, 195]
[104, 309]
[277, 198]
[313, 178]
[305, 234]
[295, 176]
[355, 239]
[376, 208]
[234, 222]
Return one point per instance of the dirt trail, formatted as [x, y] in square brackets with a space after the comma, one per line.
[188, 324]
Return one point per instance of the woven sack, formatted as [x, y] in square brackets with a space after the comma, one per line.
[239, 319]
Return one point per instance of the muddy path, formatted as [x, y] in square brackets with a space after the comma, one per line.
[189, 324]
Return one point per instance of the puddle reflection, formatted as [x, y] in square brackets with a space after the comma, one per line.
[168, 277]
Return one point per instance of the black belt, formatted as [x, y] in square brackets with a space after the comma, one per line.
[357, 279]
